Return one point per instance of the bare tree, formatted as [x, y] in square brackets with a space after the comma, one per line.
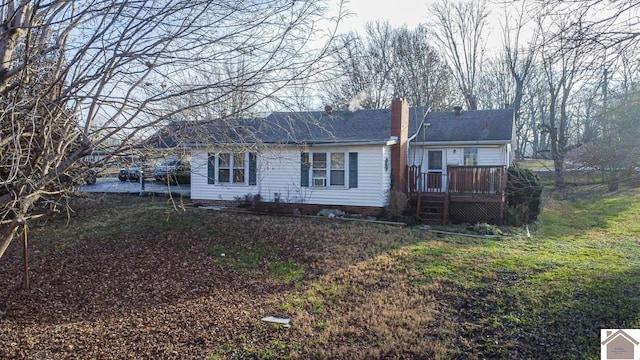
[617, 153]
[579, 39]
[363, 77]
[608, 135]
[459, 28]
[520, 60]
[497, 86]
[603, 23]
[420, 74]
[531, 129]
[563, 64]
[385, 63]
[78, 74]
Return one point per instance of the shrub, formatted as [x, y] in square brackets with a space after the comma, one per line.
[396, 204]
[487, 229]
[524, 195]
[249, 201]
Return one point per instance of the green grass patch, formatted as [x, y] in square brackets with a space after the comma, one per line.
[536, 165]
[542, 297]
[352, 290]
[288, 270]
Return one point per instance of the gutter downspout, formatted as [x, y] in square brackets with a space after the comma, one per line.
[424, 117]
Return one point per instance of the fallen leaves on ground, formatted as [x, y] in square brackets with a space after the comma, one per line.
[128, 278]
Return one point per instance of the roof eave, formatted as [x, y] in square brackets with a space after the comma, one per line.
[471, 142]
[384, 142]
[391, 141]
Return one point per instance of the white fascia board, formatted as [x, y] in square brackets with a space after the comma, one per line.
[462, 143]
[391, 141]
[347, 143]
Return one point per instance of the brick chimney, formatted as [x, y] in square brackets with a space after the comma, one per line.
[400, 129]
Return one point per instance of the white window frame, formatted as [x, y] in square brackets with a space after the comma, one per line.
[231, 168]
[324, 182]
[467, 153]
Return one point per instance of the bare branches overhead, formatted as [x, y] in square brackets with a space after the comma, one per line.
[75, 75]
[460, 31]
[388, 62]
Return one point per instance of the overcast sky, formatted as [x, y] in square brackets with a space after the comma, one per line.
[398, 12]
[410, 13]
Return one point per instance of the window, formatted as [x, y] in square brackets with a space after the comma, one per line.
[231, 168]
[238, 168]
[319, 168]
[337, 169]
[326, 169]
[435, 160]
[470, 156]
[224, 166]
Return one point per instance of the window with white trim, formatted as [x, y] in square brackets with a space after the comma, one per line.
[231, 168]
[329, 169]
[470, 156]
[337, 169]
[319, 169]
[238, 168]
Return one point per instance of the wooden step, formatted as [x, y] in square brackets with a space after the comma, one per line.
[432, 208]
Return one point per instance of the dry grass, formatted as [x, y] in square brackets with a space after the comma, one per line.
[130, 277]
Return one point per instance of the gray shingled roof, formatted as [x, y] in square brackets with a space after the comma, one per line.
[341, 126]
[361, 126]
[469, 126]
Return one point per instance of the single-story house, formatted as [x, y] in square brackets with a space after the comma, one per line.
[344, 158]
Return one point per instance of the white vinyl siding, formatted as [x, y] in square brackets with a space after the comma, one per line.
[386, 172]
[204, 187]
[279, 177]
[454, 156]
[492, 156]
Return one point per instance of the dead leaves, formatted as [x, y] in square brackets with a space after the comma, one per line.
[140, 286]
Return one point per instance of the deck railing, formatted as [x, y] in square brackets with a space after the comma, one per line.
[490, 180]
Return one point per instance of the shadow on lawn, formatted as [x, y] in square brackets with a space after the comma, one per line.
[502, 319]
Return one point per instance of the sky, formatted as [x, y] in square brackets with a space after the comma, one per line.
[409, 13]
[398, 12]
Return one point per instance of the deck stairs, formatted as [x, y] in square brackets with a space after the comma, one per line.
[433, 208]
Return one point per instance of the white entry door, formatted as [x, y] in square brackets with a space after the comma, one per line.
[435, 171]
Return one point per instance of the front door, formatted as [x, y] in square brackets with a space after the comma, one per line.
[434, 171]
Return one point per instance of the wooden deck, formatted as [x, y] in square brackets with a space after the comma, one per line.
[473, 193]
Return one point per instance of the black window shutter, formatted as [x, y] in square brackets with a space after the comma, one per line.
[353, 170]
[211, 169]
[252, 169]
[304, 169]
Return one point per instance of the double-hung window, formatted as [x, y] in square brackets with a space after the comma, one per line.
[319, 166]
[224, 167]
[329, 169]
[337, 169]
[238, 168]
[470, 156]
[232, 168]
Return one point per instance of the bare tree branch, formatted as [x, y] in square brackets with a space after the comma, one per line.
[75, 75]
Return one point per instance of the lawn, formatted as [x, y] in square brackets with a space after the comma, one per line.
[131, 277]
